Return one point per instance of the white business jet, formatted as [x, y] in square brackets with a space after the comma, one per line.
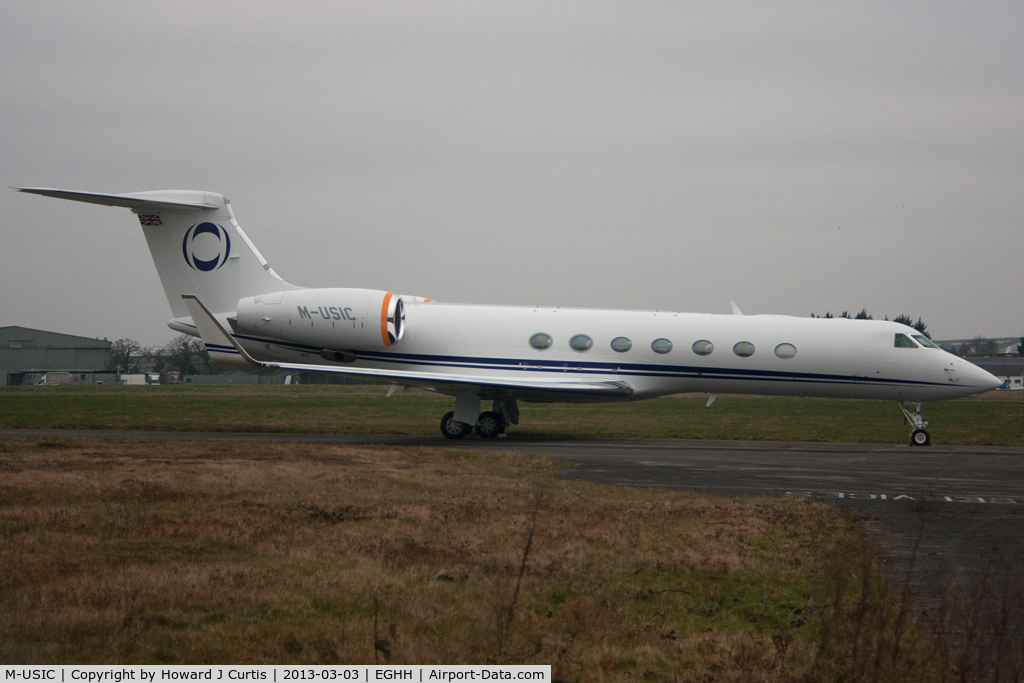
[222, 290]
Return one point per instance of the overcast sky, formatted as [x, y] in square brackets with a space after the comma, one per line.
[792, 157]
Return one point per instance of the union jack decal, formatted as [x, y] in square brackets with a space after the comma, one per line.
[150, 219]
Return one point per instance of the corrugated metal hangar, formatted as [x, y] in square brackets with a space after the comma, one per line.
[30, 356]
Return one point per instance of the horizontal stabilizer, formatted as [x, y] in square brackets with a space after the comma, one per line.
[176, 199]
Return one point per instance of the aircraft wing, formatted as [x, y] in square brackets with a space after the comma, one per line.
[219, 340]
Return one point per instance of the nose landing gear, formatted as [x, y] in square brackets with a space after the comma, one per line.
[920, 436]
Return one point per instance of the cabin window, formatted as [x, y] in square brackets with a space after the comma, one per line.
[926, 342]
[743, 349]
[904, 342]
[785, 350]
[541, 341]
[581, 342]
[703, 347]
[661, 345]
[621, 344]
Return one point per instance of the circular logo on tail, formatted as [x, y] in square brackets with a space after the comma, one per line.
[206, 247]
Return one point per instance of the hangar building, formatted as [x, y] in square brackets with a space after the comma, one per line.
[30, 356]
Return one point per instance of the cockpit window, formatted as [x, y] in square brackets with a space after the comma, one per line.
[904, 342]
[926, 342]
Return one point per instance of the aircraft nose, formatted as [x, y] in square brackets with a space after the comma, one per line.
[984, 379]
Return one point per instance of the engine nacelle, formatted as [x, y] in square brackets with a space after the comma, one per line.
[335, 319]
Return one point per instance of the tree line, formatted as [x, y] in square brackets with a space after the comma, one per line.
[982, 346]
[184, 355]
[902, 319]
[979, 346]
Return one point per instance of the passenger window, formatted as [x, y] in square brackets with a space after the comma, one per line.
[621, 344]
[904, 342]
[541, 341]
[926, 342]
[661, 345]
[703, 347]
[743, 349]
[581, 342]
[785, 351]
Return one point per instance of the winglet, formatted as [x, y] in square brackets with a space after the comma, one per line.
[222, 346]
[735, 309]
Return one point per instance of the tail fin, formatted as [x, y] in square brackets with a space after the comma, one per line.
[197, 246]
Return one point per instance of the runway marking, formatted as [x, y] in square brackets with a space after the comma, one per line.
[879, 497]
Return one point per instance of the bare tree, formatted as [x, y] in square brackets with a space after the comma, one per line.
[187, 356]
[979, 346]
[125, 355]
[183, 355]
[154, 359]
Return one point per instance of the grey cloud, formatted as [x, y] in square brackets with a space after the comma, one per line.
[792, 157]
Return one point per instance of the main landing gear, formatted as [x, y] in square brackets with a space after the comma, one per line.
[489, 425]
[918, 437]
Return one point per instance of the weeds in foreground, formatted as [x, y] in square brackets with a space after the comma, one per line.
[981, 623]
[222, 552]
[511, 611]
[869, 632]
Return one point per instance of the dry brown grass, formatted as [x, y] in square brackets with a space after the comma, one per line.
[202, 552]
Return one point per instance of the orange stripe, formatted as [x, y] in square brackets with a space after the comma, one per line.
[426, 301]
[384, 319]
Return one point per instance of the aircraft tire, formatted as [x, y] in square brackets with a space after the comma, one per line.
[452, 428]
[490, 424]
[920, 437]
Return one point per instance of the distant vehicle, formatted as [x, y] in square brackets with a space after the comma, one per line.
[139, 378]
[1012, 384]
[222, 290]
[55, 379]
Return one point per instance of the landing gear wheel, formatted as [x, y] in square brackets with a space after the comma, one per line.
[490, 424]
[452, 428]
[918, 437]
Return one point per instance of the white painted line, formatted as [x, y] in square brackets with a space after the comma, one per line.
[944, 498]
